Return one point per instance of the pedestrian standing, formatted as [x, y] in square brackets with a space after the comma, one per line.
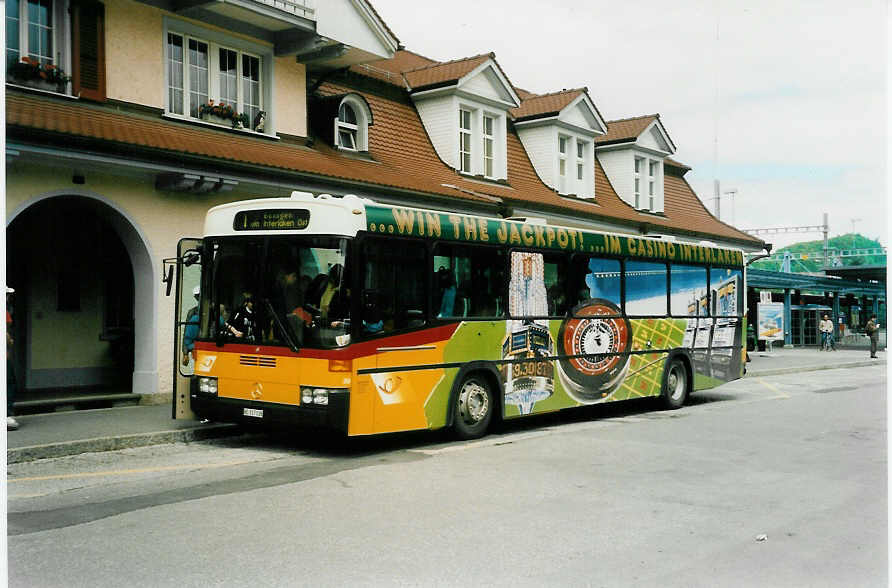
[873, 331]
[826, 328]
[11, 423]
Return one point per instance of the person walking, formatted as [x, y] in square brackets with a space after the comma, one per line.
[873, 331]
[826, 328]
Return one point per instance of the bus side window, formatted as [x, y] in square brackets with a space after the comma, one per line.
[646, 288]
[468, 281]
[394, 286]
[725, 291]
[556, 283]
[595, 278]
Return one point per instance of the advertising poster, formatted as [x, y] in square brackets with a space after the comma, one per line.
[771, 321]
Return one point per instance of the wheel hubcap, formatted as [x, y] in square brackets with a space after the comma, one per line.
[473, 403]
[676, 383]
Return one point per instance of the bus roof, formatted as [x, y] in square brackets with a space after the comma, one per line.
[305, 214]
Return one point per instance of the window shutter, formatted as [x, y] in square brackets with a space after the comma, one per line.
[88, 62]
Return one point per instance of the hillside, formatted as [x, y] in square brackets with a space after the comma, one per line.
[809, 248]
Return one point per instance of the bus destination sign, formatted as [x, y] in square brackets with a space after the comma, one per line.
[271, 219]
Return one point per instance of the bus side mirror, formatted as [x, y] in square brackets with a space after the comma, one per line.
[168, 279]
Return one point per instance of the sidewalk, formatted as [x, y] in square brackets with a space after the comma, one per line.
[79, 431]
[56, 434]
[784, 360]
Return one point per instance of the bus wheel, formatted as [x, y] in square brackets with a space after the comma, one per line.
[473, 408]
[675, 384]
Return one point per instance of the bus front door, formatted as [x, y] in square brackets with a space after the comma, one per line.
[186, 323]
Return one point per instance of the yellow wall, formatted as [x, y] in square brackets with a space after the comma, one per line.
[290, 96]
[134, 53]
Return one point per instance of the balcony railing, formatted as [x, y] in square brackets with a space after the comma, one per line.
[302, 8]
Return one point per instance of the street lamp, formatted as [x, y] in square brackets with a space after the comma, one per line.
[732, 192]
[854, 220]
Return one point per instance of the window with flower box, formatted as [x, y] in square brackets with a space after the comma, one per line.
[37, 43]
[214, 79]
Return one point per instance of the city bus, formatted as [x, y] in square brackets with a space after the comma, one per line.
[366, 318]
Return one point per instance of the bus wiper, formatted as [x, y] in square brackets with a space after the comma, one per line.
[281, 325]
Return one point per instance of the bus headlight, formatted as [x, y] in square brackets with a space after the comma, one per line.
[207, 385]
[314, 396]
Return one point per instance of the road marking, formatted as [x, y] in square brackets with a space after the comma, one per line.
[130, 471]
[773, 388]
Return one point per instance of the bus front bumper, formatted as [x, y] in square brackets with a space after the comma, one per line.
[232, 410]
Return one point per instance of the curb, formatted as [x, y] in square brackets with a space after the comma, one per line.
[66, 448]
[811, 368]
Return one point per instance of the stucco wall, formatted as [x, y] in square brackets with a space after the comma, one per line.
[134, 53]
[290, 96]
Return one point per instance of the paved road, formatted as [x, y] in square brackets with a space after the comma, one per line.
[774, 481]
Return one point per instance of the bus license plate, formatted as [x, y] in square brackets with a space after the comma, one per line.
[253, 412]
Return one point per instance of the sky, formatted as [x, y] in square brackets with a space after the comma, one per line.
[783, 101]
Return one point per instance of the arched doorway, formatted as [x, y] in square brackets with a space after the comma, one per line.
[77, 265]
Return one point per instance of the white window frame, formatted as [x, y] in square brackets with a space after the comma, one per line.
[563, 148]
[216, 41]
[61, 56]
[359, 131]
[350, 129]
[489, 140]
[466, 156]
[639, 162]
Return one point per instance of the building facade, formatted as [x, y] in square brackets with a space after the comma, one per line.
[173, 107]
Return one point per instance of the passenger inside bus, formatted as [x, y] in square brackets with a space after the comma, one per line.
[446, 287]
[372, 321]
[243, 324]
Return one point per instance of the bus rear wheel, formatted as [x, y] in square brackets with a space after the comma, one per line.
[473, 408]
[675, 384]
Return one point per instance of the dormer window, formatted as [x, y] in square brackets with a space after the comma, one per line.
[347, 127]
[351, 131]
[464, 140]
[488, 146]
[480, 142]
[651, 181]
[639, 163]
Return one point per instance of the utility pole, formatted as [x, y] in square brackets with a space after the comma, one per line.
[717, 197]
[826, 235]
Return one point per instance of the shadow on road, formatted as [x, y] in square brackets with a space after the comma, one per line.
[324, 444]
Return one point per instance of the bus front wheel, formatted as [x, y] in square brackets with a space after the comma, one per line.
[473, 408]
[675, 384]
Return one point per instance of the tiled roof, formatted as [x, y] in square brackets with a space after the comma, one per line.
[442, 73]
[627, 129]
[391, 70]
[546, 104]
[71, 119]
[403, 159]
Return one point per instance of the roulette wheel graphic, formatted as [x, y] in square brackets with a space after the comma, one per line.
[602, 337]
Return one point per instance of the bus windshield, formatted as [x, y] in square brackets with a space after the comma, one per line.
[287, 291]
